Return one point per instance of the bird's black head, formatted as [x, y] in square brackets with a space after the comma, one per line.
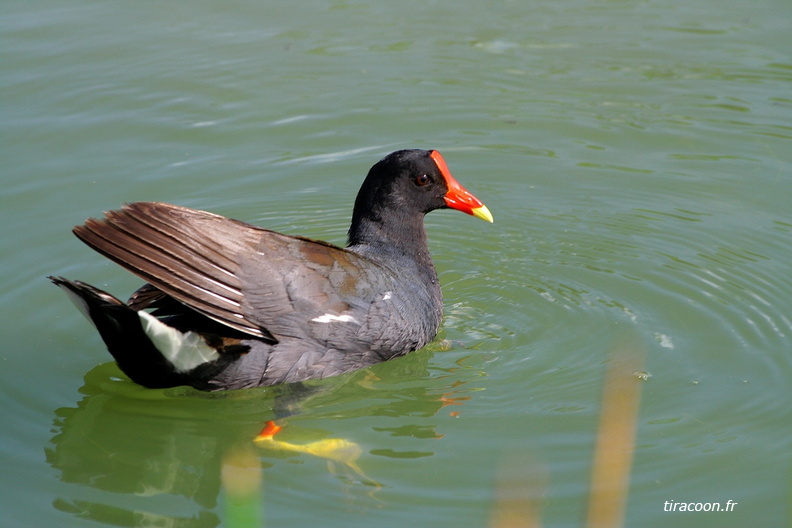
[406, 180]
[401, 188]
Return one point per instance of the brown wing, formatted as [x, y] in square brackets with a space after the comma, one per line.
[257, 281]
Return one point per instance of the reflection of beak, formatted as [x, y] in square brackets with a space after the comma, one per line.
[337, 450]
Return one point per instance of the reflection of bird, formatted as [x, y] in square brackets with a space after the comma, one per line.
[234, 306]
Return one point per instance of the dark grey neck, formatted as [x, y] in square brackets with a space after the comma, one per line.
[401, 242]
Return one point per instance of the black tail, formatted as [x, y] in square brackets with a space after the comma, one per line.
[121, 329]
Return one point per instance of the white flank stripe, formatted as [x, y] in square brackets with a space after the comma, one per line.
[330, 318]
[185, 351]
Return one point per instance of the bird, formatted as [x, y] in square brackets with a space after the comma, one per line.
[228, 305]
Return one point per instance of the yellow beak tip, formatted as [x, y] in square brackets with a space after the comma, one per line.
[483, 213]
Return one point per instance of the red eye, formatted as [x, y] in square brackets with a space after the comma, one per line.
[421, 180]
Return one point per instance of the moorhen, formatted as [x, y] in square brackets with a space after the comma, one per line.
[229, 305]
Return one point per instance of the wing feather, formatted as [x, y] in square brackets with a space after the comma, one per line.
[177, 250]
[257, 281]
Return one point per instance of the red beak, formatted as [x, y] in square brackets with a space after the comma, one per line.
[457, 196]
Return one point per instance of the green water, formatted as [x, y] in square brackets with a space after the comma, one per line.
[636, 156]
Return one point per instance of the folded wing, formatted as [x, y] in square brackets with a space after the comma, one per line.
[257, 281]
